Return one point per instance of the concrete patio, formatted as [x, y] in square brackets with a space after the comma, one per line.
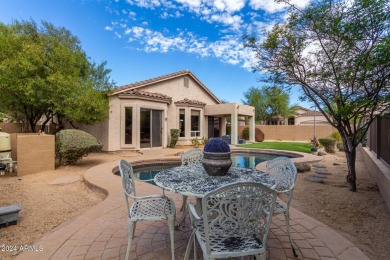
[101, 231]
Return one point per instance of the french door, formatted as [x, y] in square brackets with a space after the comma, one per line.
[150, 128]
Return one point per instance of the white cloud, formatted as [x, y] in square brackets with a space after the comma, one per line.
[108, 28]
[271, 6]
[229, 5]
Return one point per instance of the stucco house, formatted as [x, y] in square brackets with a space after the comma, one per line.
[302, 116]
[142, 113]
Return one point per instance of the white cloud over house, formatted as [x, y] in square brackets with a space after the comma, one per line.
[226, 22]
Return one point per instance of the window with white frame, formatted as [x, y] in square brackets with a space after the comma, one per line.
[195, 123]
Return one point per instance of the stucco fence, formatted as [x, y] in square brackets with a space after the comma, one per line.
[292, 132]
[33, 152]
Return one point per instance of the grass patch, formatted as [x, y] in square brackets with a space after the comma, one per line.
[289, 146]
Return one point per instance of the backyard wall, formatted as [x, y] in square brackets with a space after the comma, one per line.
[33, 153]
[292, 132]
[380, 171]
[10, 127]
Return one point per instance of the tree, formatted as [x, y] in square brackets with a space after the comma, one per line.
[269, 102]
[46, 74]
[338, 52]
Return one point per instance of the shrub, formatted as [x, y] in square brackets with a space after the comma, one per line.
[205, 140]
[245, 133]
[174, 137]
[340, 146]
[195, 142]
[336, 135]
[216, 145]
[329, 144]
[72, 144]
[259, 135]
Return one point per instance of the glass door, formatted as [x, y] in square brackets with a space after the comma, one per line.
[145, 128]
[150, 128]
[156, 128]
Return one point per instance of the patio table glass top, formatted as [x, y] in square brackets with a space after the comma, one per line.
[195, 182]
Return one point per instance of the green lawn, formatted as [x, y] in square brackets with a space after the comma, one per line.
[290, 146]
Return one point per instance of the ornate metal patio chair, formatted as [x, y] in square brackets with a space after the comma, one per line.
[284, 173]
[151, 207]
[235, 221]
[190, 158]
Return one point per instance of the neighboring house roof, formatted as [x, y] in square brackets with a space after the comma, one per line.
[146, 95]
[307, 112]
[144, 83]
[190, 102]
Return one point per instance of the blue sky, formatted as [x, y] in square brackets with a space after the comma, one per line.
[142, 39]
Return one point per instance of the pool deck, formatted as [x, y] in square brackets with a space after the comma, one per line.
[101, 231]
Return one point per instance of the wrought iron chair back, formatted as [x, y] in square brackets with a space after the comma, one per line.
[235, 222]
[150, 207]
[283, 171]
[192, 157]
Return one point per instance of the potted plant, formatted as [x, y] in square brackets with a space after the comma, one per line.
[216, 157]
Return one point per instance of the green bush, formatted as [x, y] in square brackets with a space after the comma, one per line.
[245, 133]
[195, 142]
[72, 144]
[204, 140]
[174, 137]
[336, 135]
[329, 144]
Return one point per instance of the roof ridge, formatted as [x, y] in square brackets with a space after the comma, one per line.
[151, 80]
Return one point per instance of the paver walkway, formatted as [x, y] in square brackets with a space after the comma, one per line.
[101, 232]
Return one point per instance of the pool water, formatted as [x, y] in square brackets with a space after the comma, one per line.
[242, 160]
[250, 160]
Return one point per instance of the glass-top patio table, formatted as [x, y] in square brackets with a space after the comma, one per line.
[195, 182]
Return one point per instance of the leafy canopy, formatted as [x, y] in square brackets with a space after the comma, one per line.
[269, 102]
[338, 52]
[45, 72]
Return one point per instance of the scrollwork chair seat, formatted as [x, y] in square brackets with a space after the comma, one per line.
[235, 221]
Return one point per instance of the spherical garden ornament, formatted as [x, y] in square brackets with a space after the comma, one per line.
[216, 157]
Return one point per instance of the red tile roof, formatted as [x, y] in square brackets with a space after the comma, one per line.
[151, 95]
[193, 102]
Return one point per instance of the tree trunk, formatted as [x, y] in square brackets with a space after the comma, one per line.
[350, 153]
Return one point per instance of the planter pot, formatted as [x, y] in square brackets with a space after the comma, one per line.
[216, 164]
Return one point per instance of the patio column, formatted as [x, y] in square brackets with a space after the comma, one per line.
[234, 119]
[252, 126]
[222, 127]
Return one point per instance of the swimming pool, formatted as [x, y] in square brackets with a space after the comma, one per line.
[240, 159]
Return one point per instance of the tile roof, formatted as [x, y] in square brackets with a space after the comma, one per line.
[187, 101]
[151, 95]
[311, 113]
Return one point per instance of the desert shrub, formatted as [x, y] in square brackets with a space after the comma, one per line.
[259, 135]
[195, 142]
[174, 137]
[329, 144]
[336, 135]
[204, 140]
[72, 145]
[245, 133]
[216, 145]
[340, 146]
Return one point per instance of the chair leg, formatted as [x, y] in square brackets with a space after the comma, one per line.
[130, 235]
[184, 204]
[187, 254]
[171, 224]
[287, 217]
